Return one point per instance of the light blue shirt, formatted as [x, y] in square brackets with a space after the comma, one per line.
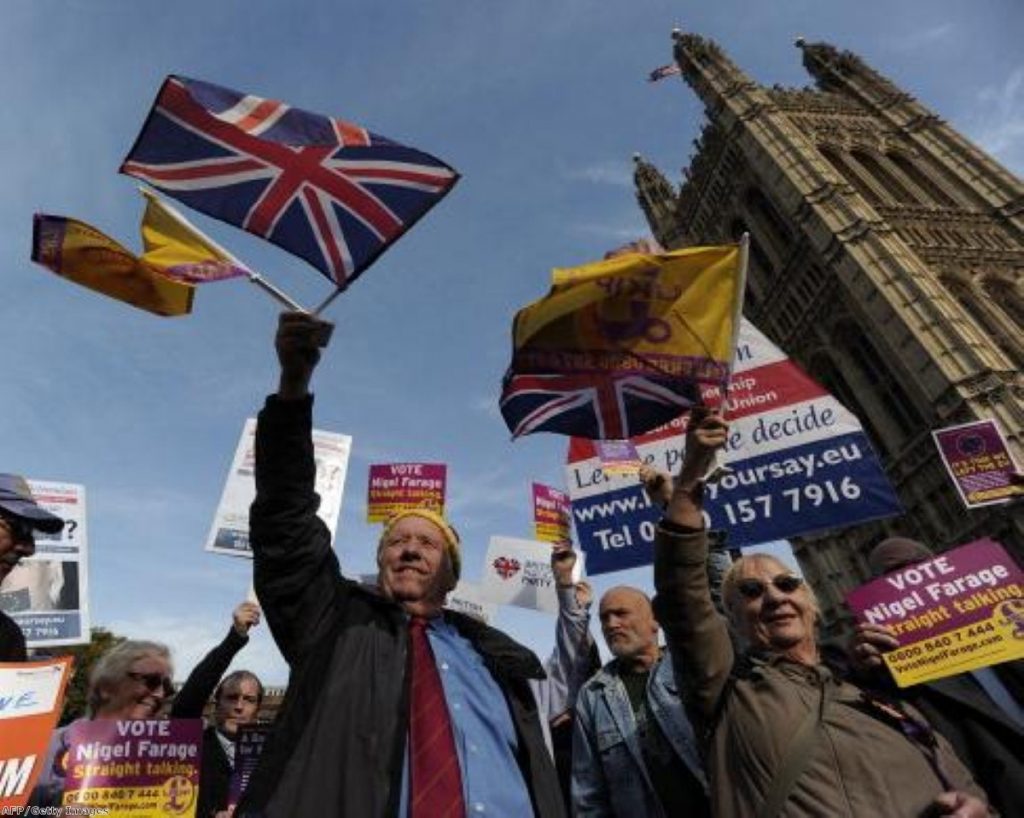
[485, 736]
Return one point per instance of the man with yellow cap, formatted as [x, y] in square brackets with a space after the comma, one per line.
[396, 708]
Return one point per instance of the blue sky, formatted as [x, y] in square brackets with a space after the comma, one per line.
[538, 104]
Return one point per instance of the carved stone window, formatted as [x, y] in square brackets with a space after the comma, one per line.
[929, 186]
[893, 189]
[846, 171]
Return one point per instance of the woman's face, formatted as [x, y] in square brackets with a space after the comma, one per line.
[773, 619]
[141, 693]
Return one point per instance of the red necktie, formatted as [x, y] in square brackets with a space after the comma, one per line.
[435, 782]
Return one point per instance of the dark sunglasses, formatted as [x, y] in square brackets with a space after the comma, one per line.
[753, 588]
[153, 681]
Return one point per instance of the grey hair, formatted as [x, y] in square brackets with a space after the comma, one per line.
[113, 667]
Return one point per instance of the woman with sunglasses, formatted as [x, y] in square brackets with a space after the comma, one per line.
[132, 680]
[784, 735]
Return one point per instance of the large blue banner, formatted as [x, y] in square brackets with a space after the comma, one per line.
[799, 463]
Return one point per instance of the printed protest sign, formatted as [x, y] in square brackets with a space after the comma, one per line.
[468, 598]
[551, 514]
[47, 593]
[979, 463]
[958, 611]
[134, 769]
[396, 486]
[230, 531]
[518, 572]
[249, 741]
[31, 695]
[799, 462]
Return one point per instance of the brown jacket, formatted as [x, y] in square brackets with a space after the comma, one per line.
[861, 765]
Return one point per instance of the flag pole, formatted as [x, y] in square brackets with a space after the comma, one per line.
[254, 277]
[324, 304]
[718, 468]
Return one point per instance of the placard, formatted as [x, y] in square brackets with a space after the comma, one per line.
[393, 487]
[229, 533]
[958, 611]
[134, 768]
[551, 514]
[47, 593]
[979, 463]
[31, 697]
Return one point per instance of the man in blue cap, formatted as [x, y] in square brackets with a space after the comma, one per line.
[20, 517]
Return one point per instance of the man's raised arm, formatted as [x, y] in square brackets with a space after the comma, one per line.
[295, 572]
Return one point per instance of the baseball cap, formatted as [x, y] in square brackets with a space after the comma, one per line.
[16, 499]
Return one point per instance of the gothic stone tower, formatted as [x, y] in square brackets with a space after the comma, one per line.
[886, 259]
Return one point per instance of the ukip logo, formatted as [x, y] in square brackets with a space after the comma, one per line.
[506, 567]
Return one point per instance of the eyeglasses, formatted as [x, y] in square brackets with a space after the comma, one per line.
[153, 681]
[753, 588]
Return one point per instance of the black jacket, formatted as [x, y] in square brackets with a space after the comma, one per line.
[12, 640]
[215, 770]
[339, 739]
[989, 743]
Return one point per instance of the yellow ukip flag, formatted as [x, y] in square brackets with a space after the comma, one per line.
[619, 346]
[79, 252]
[679, 304]
[178, 249]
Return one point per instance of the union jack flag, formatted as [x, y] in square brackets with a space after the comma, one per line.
[326, 190]
[607, 408]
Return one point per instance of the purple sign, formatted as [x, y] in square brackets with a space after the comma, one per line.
[951, 613]
[978, 460]
[248, 749]
[141, 769]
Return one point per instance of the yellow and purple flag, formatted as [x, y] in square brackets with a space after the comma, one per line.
[176, 255]
[79, 252]
[621, 346]
[178, 249]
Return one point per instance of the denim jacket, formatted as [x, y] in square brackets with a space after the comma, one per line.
[608, 773]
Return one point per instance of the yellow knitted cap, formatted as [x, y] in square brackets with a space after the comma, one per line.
[451, 536]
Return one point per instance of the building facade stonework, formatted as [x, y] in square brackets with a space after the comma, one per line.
[886, 258]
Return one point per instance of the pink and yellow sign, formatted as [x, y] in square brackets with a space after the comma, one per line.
[958, 611]
[397, 486]
[550, 514]
[135, 769]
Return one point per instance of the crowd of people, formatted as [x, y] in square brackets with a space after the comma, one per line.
[400, 708]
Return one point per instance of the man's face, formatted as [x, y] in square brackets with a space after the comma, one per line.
[142, 691]
[238, 703]
[628, 623]
[414, 564]
[772, 619]
[16, 541]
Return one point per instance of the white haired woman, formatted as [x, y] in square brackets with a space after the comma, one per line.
[132, 680]
[784, 735]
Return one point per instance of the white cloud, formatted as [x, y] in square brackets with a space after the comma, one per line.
[999, 123]
[191, 638]
[610, 172]
[922, 37]
[613, 232]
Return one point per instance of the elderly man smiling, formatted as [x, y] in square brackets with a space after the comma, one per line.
[395, 707]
